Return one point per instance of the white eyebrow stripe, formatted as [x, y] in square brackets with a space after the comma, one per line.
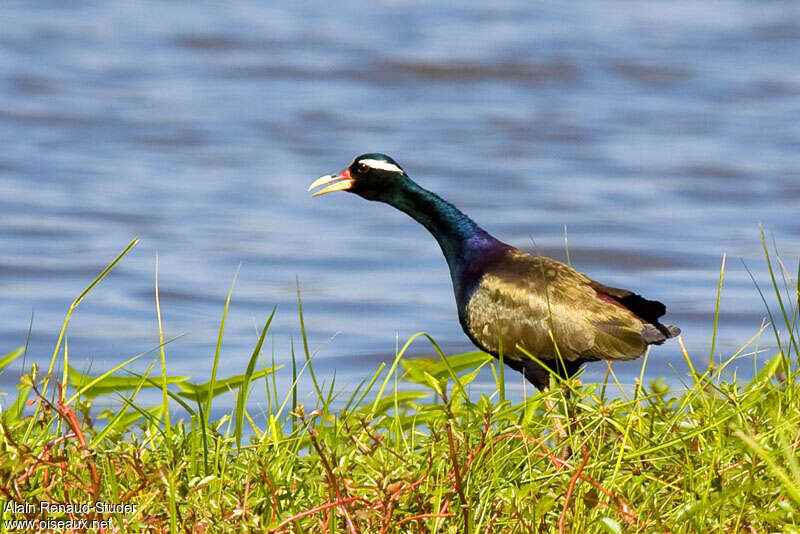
[381, 165]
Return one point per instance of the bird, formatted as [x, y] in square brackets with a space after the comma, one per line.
[509, 301]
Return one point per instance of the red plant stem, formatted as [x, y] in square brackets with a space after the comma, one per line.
[459, 484]
[623, 508]
[480, 446]
[570, 489]
[331, 478]
[66, 413]
[396, 495]
[442, 510]
[42, 458]
[133, 491]
[319, 509]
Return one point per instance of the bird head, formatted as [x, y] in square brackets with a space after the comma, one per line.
[371, 176]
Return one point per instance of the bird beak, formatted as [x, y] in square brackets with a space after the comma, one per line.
[342, 182]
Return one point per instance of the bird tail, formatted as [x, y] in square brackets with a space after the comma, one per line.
[656, 334]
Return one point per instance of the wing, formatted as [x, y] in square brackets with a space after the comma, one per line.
[522, 299]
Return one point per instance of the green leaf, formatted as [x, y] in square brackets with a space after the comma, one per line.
[792, 486]
[688, 510]
[199, 392]
[171, 395]
[467, 379]
[437, 385]
[122, 414]
[767, 372]
[6, 360]
[386, 403]
[610, 525]
[416, 368]
[123, 423]
[15, 410]
[114, 383]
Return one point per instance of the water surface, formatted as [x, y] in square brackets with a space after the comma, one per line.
[659, 134]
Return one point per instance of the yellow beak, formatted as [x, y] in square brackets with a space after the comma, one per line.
[342, 182]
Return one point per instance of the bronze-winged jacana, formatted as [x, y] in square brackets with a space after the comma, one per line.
[509, 299]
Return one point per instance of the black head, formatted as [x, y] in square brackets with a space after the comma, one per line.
[371, 176]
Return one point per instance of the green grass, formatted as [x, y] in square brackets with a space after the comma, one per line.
[717, 455]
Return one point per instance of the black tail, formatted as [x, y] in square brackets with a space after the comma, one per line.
[656, 334]
[648, 311]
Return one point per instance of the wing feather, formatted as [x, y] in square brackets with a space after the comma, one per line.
[524, 298]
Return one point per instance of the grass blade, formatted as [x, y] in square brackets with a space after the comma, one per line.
[219, 346]
[63, 332]
[244, 387]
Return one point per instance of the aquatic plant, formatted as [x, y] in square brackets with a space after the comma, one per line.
[411, 449]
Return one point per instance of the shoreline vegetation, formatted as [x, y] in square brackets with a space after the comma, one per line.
[717, 455]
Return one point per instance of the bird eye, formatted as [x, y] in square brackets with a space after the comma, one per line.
[361, 168]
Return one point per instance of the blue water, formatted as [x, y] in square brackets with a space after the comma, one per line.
[658, 133]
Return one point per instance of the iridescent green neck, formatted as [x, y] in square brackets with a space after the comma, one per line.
[463, 242]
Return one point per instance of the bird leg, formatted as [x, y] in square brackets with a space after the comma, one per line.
[539, 376]
[558, 426]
